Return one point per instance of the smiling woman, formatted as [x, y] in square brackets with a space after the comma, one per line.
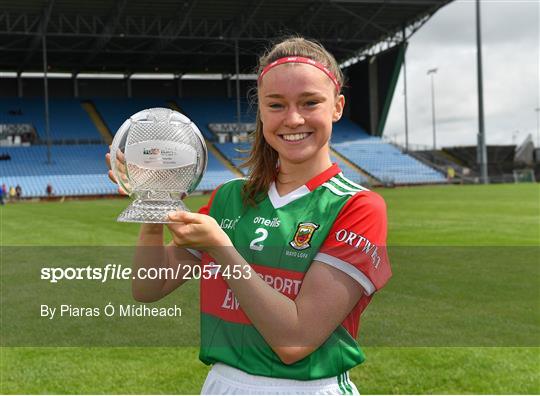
[299, 95]
[297, 106]
[296, 251]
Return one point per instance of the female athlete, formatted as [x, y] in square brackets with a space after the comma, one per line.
[297, 249]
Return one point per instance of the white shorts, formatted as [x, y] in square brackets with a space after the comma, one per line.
[227, 380]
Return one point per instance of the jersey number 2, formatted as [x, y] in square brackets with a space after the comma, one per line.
[263, 235]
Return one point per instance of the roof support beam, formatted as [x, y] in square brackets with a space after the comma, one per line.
[108, 30]
[400, 2]
[187, 16]
[312, 11]
[362, 19]
[42, 30]
[247, 17]
[239, 27]
[114, 34]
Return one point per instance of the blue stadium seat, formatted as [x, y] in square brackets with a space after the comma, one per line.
[350, 173]
[115, 111]
[81, 170]
[345, 130]
[387, 163]
[233, 152]
[216, 174]
[77, 170]
[203, 111]
[69, 159]
[67, 119]
[63, 185]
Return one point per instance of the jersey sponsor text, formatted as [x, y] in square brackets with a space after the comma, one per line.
[360, 242]
[287, 286]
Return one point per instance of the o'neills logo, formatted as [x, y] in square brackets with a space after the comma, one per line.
[304, 233]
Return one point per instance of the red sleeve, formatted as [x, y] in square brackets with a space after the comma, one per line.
[205, 209]
[356, 243]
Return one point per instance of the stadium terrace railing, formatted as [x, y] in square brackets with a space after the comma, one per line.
[70, 142]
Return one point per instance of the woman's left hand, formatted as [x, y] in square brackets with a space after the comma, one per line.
[197, 231]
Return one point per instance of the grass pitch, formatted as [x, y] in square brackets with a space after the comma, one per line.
[460, 315]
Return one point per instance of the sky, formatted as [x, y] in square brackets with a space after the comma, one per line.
[511, 76]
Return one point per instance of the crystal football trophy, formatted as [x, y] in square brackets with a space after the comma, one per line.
[158, 156]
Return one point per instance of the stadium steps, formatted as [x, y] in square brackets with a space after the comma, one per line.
[372, 179]
[441, 162]
[431, 159]
[452, 158]
[219, 155]
[96, 118]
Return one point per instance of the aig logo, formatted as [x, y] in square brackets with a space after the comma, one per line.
[229, 224]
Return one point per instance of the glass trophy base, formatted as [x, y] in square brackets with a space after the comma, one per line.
[146, 211]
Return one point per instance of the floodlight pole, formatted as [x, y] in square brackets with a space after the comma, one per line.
[405, 105]
[537, 127]
[405, 92]
[237, 65]
[432, 73]
[46, 95]
[482, 151]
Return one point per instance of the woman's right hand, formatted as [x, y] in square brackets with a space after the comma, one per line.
[121, 167]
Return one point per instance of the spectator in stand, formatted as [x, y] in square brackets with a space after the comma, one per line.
[18, 191]
[12, 193]
[450, 174]
[49, 190]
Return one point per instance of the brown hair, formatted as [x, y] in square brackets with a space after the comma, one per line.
[262, 159]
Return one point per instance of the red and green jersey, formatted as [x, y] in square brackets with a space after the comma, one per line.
[330, 219]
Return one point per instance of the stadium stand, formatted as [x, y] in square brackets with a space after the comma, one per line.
[87, 110]
[77, 170]
[203, 111]
[500, 160]
[80, 170]
[381, 160]
[68, 121]
[233, 152]
[345, 130]
[67, 160]
[114, 111]
[351, 173]
[215, 174]
[63, 185]
[387, 163]
[441, 161]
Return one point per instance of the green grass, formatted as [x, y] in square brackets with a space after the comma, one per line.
[460, 315]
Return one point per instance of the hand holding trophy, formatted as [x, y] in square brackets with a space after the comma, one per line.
[158, 156]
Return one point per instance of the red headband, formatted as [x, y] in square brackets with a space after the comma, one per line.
[299, 59]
